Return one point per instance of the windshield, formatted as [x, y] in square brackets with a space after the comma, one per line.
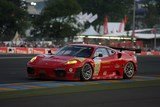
[77, 51]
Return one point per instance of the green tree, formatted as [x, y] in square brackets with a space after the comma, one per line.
[153, 12]
[57, 20]
[12, 19]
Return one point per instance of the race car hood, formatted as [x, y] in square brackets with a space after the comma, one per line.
[51, 61]
[54, 60]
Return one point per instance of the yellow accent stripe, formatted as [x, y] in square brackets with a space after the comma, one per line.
[80, 59]
[97, 67]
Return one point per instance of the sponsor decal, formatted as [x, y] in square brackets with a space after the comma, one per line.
[105, 73]
[112, 75]
[106, 67]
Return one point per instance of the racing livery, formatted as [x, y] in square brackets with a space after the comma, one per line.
[83, 62]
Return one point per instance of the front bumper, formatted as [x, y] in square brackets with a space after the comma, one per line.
[54, 73]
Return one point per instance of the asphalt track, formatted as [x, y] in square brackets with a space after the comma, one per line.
[142, 91]
[13, 67]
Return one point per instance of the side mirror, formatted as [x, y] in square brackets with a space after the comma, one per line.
[49, 52]
[119, 55]
[100, 55]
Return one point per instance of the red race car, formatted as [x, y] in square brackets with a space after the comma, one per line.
[83, 62]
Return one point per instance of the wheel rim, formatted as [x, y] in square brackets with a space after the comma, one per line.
[129, 69]
[87, 72]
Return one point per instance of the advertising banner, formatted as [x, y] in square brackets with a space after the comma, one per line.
[21, 50]
[38, 50]
[3, 49]
[11, 50]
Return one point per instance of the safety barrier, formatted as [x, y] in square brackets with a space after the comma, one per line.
[23, 50]
[154, 53]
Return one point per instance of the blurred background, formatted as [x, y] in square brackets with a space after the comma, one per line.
[55, 23]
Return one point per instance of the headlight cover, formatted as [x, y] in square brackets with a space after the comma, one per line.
[71, 62]
[33, 59]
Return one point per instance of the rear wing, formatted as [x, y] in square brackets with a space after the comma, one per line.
[127, 49]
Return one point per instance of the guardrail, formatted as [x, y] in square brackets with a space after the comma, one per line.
[24, 50]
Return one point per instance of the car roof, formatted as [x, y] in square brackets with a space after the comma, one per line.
[90, 45]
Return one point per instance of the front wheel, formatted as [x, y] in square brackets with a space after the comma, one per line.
[86, 73]
[129, 70]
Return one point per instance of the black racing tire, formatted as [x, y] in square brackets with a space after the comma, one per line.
[86, 72]
[129, 70]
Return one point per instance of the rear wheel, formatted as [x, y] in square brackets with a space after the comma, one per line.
[86, 73]
[129, 70]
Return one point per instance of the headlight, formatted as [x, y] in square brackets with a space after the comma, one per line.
[33, 59]
[72, 62]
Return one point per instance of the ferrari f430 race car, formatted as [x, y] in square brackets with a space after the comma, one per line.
[83, 62]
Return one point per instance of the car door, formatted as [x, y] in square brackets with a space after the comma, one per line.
[103, 63]
[118, 62]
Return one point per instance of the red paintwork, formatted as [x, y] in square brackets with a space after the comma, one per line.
[111, 67]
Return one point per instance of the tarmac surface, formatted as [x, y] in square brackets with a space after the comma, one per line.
[17, 90]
